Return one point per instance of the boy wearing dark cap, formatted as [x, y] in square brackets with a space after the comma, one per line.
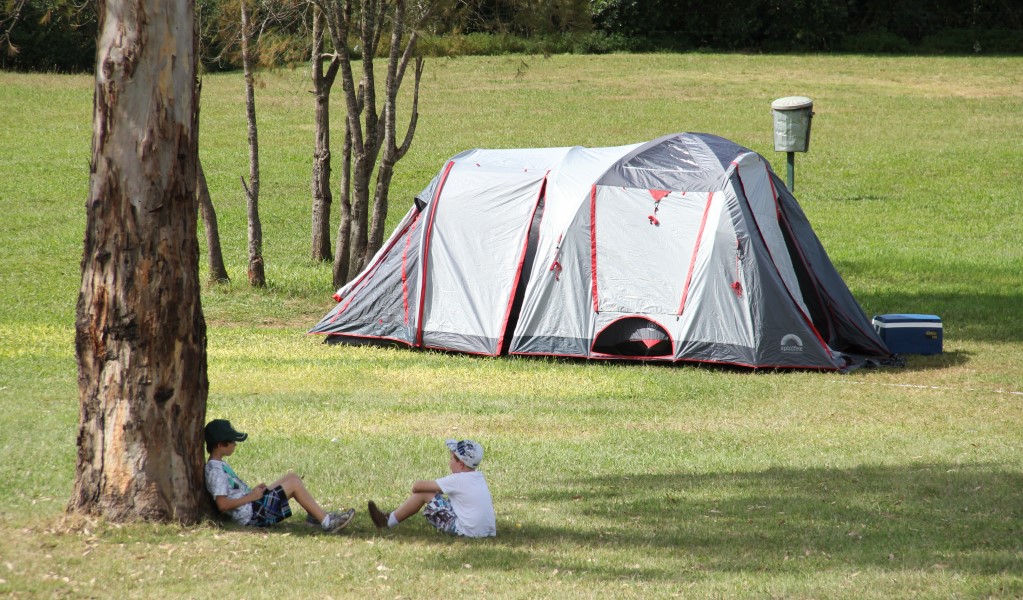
[263, 505]
[458, 504]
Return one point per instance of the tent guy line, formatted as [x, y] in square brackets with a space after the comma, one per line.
[931, 387]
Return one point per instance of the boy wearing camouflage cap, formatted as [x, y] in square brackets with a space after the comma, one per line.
[459, 504]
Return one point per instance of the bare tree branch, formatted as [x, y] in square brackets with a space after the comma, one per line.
[414, 119]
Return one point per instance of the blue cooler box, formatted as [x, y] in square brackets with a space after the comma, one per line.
[910, 334]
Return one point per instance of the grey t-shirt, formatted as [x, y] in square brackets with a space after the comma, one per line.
[221, 480]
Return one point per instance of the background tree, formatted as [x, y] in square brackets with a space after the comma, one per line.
[323, 81]
[215, 256]
[371, 131]
[140, 336]
[208, 214]
[257, 275]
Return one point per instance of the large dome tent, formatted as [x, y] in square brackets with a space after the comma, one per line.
[684, 248]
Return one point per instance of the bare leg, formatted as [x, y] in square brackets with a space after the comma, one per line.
[412, 505]
[295, 488]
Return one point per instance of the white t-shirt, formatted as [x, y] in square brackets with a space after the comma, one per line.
[473, 505]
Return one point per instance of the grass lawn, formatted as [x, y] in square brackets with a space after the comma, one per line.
[609, 480]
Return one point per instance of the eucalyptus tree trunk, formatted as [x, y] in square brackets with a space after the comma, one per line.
[323, 81]
[140, 336]
[367, 130]
[257, 276]
[215, 256]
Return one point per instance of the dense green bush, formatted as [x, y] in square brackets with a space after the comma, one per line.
[53, 37]
[490, 44]
[884, 26]
[990, 41]
[878, 41]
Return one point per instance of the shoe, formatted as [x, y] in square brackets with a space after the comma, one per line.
[311, 520]
[379, 517]
[337, 520]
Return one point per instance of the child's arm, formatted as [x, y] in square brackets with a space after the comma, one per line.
[225, 504]
[425, 486]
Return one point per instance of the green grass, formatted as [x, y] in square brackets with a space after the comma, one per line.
[609, 480]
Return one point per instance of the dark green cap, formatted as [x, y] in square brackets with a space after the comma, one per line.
[220, 430]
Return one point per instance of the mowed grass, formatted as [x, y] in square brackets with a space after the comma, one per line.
[609, 480]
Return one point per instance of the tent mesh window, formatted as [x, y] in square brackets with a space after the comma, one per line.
[633, 336]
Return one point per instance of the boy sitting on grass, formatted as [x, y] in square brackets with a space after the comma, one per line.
[459, 504]
[263, 505]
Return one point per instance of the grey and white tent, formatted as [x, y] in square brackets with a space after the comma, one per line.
[684, 248]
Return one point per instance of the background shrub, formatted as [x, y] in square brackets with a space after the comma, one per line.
[53, 35]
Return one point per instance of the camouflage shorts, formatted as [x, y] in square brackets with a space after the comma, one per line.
[438, 512]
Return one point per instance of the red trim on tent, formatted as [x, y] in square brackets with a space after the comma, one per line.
[367, 274]
[522, 260]
[426, 252]
[593, 248]
[404, 271]
[445, 349]
[760, 233]
[781, 219]
[774, 193]
[696, 251]
[658, 194]
[363, 337]
[828, 307]
[674, 361]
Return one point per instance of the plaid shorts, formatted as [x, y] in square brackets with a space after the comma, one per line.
[438, 512]
[272, 508]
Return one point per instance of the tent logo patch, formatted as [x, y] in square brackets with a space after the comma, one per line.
[791, 343]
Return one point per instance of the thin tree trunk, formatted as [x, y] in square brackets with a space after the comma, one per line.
[140, 336]
[342, 250]
[257, 275]
[360, 213]
[218, 272]
[367, 134]
[391, 152]
[322, 196]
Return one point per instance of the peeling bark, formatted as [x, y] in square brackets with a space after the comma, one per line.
[140, 335]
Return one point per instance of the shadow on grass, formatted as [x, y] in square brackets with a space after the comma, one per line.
[969, 315]
[934, 362]
[926, 518]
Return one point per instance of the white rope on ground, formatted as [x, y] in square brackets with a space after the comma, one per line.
[931, 387]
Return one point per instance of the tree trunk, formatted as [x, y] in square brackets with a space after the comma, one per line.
[218, 272]
[257, 276]
[140, 336]
[360, 213]
[342, 249]
[322, 196]
[366, 133]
